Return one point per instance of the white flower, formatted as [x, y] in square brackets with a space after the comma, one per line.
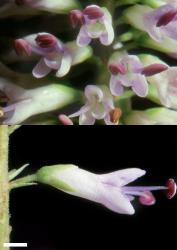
[23, 103]
[54, 55]
[99, 105]
[109, 189]
[96, 23]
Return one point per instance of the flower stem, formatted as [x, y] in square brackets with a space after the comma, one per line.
[23, 182]
[4, 188]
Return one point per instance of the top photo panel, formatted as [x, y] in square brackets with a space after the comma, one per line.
[82, 62]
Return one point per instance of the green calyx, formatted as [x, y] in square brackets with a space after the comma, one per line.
[49, 175]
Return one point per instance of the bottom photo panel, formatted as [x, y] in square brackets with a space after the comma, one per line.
[65, 188]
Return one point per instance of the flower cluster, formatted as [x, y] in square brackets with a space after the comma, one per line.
[110, 48]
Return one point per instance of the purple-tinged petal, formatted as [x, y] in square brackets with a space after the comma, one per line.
[86, 119]
[98, 112]
[53, 63]
[83, 39]
[162, 83]
[122, 177]
[133, 63]
[17, 112]
[126, 80]
[170, 30]
[108, 100]
[140, 85]
[93, 92]
[154, 32]
[83, 110]
[107, 36]
[152, 18]
[113, 199]
[94, 30]
[130, 197]
[115, 86]
[41, 69]
[66, 63]
[157, 14]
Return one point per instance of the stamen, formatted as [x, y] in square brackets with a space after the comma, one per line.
[145, 195]
[147, 199]
[117, 69]
[115, 115]
[154, 69]
[76, 18]
[171, 188]
[22, 47]
[144, 188]
[166, 18]
[65, 120]
[46, 41]
[93, 12]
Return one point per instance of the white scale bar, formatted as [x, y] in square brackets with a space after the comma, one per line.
[15, 244]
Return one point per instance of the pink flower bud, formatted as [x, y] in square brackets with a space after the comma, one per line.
[22, 47]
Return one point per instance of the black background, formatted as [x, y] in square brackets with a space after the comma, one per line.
[46, 218]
